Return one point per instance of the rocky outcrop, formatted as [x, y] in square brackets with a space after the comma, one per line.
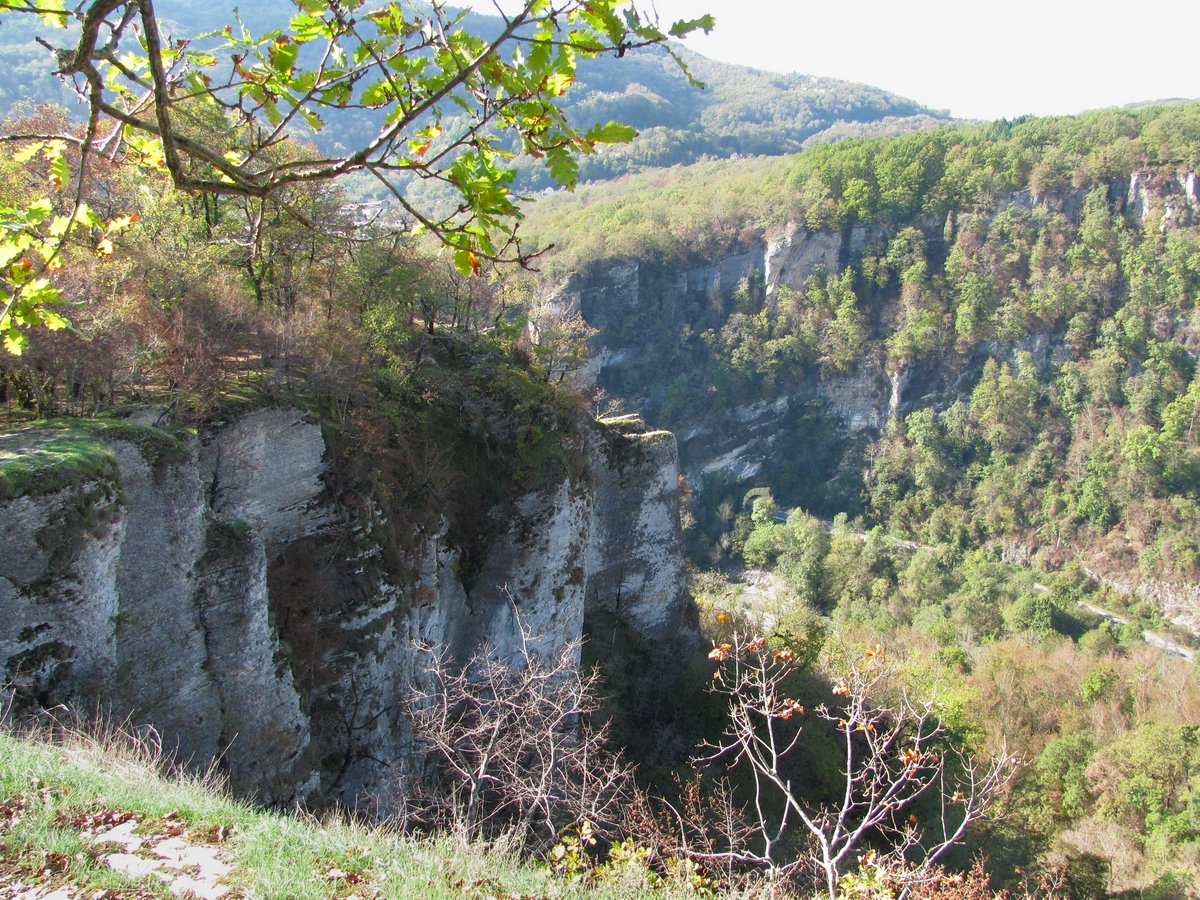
[1174, 196]
[1179, 602]
[660, 328]
[646, 313]
[634, 559]
[227, 601]
[796, 253]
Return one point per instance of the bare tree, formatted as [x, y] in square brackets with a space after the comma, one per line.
[508, 744]
[895, 750]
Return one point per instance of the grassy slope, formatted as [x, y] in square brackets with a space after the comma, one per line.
[46, 788]
[44, 456]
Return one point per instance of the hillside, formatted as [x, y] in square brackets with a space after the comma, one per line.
[902, 266]
[87, 814]
[742, 112]
[866, 477]
[945, 389]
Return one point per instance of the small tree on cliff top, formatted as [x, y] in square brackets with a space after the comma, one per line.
[895, 750]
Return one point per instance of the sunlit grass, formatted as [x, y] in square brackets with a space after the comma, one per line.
[56, 773]
[48, 455]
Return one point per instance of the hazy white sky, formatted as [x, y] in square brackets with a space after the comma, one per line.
[977, 58]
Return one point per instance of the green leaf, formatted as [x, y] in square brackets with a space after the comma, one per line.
[376, 94]
[612, 133]
[466, 261]
[39, 211]
[40, 291]
[274, 116]
[563, 166]
[60, 172]
[336, 95]
[305, 28]
[88, 217]
[283, 55]
[603, 19]
[14, 340]
[53, 13]
[315, 122]
[8, 252]
[686, 26]
[53, 320]
[559, 83]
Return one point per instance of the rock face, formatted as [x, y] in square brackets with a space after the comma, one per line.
[660, 327]
[228, 602]
[646, 311]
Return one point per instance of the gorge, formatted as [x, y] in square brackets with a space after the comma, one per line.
[810, 419]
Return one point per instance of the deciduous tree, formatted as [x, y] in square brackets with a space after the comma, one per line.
[453, 107]
[895, 750]
[507, 744]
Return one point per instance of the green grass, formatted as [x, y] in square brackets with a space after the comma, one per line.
[242, 395]
[49, 455]
[57, 463]
[157, 445]
[50, 780]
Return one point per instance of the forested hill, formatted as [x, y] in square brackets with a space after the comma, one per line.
[742, 111]
[942, 390]
[972, 336]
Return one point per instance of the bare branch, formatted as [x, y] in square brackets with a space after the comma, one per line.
[511, 746]
[894, 750]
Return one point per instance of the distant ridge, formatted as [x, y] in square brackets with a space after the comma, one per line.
[743, 111]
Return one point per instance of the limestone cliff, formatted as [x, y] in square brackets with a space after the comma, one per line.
[657, 350]
[227, 599]
[648, 317]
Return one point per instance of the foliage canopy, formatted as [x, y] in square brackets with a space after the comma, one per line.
[213, 111]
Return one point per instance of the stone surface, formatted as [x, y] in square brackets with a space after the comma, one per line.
[228, 602]
[790, 258]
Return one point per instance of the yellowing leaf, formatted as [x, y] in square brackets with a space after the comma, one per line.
[14, 340]
[53, 320]
[25, 154]
[559, 83]
[467, 262]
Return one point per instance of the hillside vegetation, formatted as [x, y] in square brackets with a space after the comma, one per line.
[1032, 288]
[73, 803]
[1037, 279]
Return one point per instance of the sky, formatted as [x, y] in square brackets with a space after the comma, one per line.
[980, 59]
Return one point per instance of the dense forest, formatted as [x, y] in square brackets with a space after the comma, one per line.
[1038, 265]
[1002, 544]
[1032, 284]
